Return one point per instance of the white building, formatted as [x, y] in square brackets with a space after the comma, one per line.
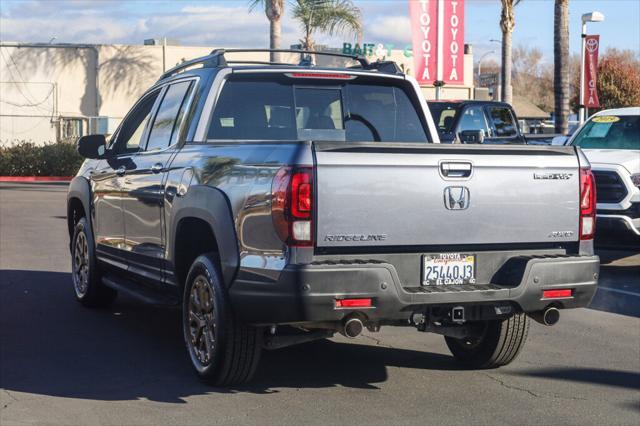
[54, 92]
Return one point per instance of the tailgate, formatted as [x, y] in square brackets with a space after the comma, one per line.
[374, 194]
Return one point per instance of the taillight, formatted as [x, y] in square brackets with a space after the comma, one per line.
[587, 204]
[292, 205]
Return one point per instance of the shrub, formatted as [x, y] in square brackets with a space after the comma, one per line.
[24, 158]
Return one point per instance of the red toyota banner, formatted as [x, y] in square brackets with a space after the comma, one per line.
[591, 46]
[424, 20]
[453, 41]
[438, 40]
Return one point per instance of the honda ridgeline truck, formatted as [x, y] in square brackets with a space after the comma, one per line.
[279, 204]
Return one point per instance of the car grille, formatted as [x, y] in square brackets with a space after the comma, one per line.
[609, 187]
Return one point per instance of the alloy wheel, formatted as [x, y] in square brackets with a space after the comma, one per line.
[81, 265]
[202, 320]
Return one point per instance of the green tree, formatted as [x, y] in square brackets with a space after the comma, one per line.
[561, 83]
[507, 24]
[274, 9]
[328, 16]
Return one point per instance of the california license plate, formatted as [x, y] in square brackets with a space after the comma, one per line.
[448, 269]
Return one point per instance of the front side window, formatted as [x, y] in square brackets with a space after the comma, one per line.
[132, 129]
[503, 122]
[610, 132]
[164, 131]
[286, 110]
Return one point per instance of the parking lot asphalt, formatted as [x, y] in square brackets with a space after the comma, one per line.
[63, 364]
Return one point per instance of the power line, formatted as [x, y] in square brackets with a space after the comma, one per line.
[21, 80]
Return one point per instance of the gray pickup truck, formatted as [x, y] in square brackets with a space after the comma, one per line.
[278, 204]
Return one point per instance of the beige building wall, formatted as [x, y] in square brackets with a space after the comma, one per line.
[55, 92]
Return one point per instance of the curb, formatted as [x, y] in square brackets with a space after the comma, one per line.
[35, 178]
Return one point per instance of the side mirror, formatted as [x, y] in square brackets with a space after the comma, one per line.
[472, 136]
[92, 146]
[559, 140]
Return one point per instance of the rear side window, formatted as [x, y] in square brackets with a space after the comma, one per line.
[164, 131]
[503, 122]
[286, 110]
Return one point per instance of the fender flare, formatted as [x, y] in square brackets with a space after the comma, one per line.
[81, 189]
[212, 206]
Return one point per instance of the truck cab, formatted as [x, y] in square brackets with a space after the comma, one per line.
[497, 121]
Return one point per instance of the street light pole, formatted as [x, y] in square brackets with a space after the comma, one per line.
[499, 88]
[594, 16]
[480, 62]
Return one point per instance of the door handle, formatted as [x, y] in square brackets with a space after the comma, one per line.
[121, 171]
[455, 169]
[156, 168]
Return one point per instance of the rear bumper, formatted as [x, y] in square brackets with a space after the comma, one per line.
[307, 293]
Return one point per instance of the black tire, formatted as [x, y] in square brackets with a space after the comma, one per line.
[500, 343]
[222, 350]
[87, 284]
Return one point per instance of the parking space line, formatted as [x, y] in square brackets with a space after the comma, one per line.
[615, 290]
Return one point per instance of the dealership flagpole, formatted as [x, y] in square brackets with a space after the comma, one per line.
[439, 51]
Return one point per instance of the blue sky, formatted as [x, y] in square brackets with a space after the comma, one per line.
[229, 23]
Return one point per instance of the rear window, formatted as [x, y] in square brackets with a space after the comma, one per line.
[610, 132]
[444, 115]
[332, 110]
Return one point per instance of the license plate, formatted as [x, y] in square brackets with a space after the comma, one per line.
[448, 269]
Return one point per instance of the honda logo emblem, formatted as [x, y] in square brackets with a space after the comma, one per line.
[456, 197]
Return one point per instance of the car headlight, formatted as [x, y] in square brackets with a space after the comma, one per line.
[635, 178]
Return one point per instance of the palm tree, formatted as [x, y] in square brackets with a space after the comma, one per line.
[274, 10]
[329, 16]
[561, 65]
[507, 24]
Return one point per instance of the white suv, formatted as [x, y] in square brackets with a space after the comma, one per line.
[611, 141]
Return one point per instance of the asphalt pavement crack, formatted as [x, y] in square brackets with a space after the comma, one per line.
[534, 394]
[378, 342]
[502, 383]
[11, 397]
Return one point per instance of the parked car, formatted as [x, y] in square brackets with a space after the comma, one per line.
[471, 121]
[611, 141]
[281, 204]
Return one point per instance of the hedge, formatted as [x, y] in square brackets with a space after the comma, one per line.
[25, 158]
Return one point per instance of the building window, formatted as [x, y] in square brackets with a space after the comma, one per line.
[71, 128]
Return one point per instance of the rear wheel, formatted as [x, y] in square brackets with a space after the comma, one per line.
[222, 350]
[86, 278]
[498, 344]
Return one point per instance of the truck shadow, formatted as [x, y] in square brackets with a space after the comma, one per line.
[53, 346]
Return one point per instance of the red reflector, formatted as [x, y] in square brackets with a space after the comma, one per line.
[301, 195]
[320, 75]
[556, 294]
[353, 303]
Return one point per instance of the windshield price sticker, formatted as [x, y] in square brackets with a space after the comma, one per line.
[449, 269]
[605, 119]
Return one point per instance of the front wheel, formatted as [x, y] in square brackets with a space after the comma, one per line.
[86, 278]
[222, 350]
[498, 344]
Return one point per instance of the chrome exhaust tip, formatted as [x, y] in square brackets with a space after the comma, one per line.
[550, 316]
[352, 328]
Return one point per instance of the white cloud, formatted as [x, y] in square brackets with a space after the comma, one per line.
[389, 29]
[196, 23]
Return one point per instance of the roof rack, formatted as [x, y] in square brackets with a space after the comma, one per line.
[217, 59]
